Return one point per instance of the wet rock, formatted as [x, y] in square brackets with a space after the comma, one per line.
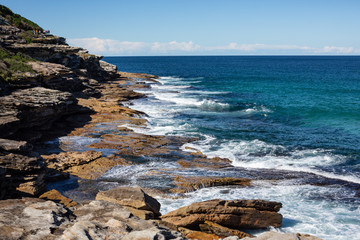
[235, 214]
[282, 236]
[57, 197]
[133, 198]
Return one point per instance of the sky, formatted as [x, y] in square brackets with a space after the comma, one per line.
[200, 27]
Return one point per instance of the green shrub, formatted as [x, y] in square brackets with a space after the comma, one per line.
[17, 19]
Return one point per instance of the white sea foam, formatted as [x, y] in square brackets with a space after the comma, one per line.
[305, 209]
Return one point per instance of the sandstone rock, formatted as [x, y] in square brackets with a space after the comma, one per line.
[65, 160]
[106, 220]
[57, 197]
[234, 214]
[189, 184]
[15, 146]
[154, 233]
[133, 197]
[213, 228]
[33, 107]
[30, 218]
[22, 175]
[110, 68]
[282, 236]
[197, 235]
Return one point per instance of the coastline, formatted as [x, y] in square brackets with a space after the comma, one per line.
[65, 122]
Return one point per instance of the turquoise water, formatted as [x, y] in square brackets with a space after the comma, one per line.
[294, 114]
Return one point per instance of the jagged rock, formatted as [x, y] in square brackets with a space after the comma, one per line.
[189, 184]
[106, 220]
[57, 197]
[234, 214]
[65, 160]
[110, 68]
[196, 235]
[49, 70]
[38, 106]
[283, 236]
[30, 218]
[221, 231]
[154, 233]
[15, 146]
[23, 175]
[133, 198]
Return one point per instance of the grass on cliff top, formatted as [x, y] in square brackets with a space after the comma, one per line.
[13, 65]
[17, 20]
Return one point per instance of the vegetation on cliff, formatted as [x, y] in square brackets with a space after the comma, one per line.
[17, 20]
[11, 65]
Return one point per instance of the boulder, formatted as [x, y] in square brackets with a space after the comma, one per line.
[132, 198]
[235, 214]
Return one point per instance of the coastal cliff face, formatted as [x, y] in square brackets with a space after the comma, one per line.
[40, 78]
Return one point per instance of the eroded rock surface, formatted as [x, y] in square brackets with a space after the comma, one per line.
[135, 199]
[235, 214]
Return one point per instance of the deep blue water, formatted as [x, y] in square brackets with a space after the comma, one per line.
[298, 103]
[294, 113]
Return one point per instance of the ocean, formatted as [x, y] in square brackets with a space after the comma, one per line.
[291, 116]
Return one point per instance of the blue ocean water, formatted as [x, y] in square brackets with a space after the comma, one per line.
[294, 113]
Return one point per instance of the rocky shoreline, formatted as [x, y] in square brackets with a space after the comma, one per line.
[62, 94]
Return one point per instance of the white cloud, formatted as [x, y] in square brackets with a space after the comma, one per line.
[108, 46]
[115, 47]
[174, 46]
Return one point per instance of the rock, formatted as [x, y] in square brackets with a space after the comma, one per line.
[106, 220]
[189, 184]
[57, 197]
[282, 236]
[65, 160]
[214, 228]
[30, 218]
[234, 214]
[33, 107]
[22, 175]
[153, 234]
[110, 68]
[133, 197]
[196, 235]
[15, 146]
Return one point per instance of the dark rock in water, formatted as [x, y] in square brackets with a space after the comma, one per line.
[234, 214]
[134, 198]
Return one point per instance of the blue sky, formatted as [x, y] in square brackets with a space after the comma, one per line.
[201, 27]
